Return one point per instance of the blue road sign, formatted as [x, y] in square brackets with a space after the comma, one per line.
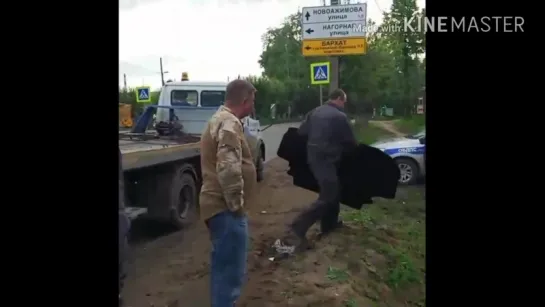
[143, 94]
[319, 73]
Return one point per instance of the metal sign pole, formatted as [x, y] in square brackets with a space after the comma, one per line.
[321, 95]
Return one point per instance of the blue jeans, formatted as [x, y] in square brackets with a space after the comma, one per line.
[229, 236]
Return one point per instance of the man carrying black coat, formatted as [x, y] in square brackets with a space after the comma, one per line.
[329, 135]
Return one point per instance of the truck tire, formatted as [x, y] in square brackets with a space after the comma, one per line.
[183, 200]
[259, 167]
[408, 171]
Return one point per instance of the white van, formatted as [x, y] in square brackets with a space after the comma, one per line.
[201, 100]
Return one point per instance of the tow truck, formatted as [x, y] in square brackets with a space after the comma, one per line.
[162, 166]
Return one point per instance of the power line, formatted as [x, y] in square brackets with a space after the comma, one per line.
[376, 2]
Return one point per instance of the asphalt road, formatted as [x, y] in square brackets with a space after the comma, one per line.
[272, 138]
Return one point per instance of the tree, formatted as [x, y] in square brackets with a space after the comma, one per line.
[407, 47]
[390, 73]
[283, 62]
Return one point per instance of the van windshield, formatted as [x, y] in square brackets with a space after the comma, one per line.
[212, 98]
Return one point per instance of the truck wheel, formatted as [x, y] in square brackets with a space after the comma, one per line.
[259, 166]
[408, 171]
[183, 201]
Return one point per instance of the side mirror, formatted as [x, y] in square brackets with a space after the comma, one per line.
[422, 141]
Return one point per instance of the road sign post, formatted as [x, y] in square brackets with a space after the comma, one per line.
[319, 73]
[143, 94]
[334, 31]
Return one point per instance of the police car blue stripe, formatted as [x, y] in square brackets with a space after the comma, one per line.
[406, 150]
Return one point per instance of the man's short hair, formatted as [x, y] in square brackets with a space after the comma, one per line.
[336, 94]
[238, 90]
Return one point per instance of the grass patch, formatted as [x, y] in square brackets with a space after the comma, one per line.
[402, 271]
[369, 133]
[411, 124]
[337, 275]
[388, 237]
[350, 303]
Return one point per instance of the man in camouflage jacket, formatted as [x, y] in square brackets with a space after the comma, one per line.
[229, 180]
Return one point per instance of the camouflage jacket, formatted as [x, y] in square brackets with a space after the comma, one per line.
[228, 171]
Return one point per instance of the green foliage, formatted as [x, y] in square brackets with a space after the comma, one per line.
[395, 229]
[392, 72]
[269, 91]
[410, 125]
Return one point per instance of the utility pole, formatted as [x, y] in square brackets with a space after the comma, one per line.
[162, 73]
[334, 60]
[125, 82]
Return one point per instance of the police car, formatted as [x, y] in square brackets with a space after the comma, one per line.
[409, 153]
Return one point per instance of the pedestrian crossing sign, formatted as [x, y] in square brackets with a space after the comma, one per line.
[143, 94]
[319, 73]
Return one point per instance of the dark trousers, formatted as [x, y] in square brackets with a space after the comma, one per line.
[229, 235]
[326, 208]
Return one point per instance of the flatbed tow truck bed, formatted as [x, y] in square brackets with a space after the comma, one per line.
[149, 149]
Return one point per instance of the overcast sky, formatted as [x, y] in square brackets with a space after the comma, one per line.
[210, 39]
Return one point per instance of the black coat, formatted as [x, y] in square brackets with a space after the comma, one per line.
[364, 172]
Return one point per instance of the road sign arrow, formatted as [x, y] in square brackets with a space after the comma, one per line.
[309, 31]
[307, 15]
[308, 47]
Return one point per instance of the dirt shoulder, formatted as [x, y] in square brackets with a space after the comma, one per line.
[378, 260]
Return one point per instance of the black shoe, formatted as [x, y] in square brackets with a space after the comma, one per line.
[325, 231]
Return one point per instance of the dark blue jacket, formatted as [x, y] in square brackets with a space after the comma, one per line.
[329, 133]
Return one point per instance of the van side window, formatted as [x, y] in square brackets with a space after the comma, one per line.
[184, 98]
[212, 98]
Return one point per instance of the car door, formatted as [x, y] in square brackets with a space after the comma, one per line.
[423, 165]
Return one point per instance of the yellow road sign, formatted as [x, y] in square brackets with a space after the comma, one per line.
[337, 46]
[319, 73]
